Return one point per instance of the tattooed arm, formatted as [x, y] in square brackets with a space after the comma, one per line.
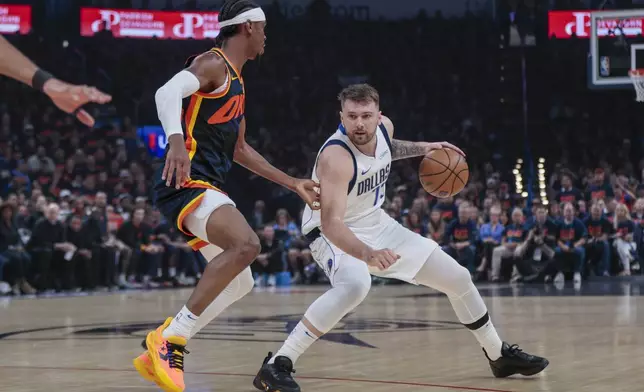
[402, 149]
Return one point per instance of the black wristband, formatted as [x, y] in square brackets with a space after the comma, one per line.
[40, 78]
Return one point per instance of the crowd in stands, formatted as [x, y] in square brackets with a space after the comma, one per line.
[77, 212]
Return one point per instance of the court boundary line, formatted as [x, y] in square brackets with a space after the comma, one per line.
[226, 374]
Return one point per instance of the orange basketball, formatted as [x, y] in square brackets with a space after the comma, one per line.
[443, 173]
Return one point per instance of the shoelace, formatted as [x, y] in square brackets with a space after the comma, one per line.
[175, 355]
[516, 351]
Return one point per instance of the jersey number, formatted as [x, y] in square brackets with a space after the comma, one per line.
[380, 193]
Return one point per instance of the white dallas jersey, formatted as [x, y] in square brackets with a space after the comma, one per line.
[367, 187]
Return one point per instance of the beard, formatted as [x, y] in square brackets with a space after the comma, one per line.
[361, 139]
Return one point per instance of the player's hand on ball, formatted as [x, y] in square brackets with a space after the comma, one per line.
[382, 259]
[177, 162]
[309, 191]
[440, 145]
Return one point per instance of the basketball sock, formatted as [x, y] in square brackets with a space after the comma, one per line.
[182, 324]
[300, 339]
[443, 273]
[236, 290]
[487, 336]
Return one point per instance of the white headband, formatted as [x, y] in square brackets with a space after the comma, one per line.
[252, 15]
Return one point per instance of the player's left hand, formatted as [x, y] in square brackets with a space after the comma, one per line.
[441, 145]
[70, 98]
[309, 191]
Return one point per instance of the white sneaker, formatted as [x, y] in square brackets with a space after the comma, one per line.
[577, 278]
[559, 278]
[272, 281]
[5, 288]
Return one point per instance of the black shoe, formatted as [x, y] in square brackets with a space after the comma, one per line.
[276, 377]
[513, 360]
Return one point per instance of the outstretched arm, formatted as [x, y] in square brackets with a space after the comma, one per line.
[335, 170]
[14, 64]
[68, 98]
[402, 149]
[249, 158]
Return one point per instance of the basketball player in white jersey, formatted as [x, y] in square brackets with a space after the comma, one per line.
[353, 238]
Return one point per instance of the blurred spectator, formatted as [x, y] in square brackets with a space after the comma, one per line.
[568, 193]
[513, 246]
[624, 238]
[269, 262]
[541, 240]
[436, 227]
[84, 267]
[13, 256]
[597, 247]
[491, 235]
[460, 236]
[146, 256]
[571, 238]
[51, 253]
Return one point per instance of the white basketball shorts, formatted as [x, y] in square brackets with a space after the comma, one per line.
[197, 220]
[385, 233]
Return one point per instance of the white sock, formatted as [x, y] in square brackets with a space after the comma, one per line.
[159, 272]
[182, 324]
[300, 339]
[489, 339]
[172, 271]
[235, 291]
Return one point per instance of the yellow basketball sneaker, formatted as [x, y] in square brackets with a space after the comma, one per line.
[143, 365]
[167, 358]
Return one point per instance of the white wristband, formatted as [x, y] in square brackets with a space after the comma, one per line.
[168, 100]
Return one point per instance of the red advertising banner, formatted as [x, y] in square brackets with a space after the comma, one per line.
[563, 24]
[150, 24]
[15, 19]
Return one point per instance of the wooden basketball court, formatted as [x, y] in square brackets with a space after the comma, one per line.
[402, 338]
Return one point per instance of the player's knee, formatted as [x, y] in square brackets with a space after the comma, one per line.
[358, 287]
[249, 249]
[460, 279]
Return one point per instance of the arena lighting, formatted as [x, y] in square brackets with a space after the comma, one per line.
[519, 161]
[524, 194]
[515, 172]
[542, 180]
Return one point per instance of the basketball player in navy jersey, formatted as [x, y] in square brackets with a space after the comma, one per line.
[202, 111]
[67, 97]
[354, 238]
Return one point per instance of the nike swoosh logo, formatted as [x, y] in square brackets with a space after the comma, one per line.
[365, 171]
[191, 318]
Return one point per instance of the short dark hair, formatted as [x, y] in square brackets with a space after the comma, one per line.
[229, 10]
[363, 93]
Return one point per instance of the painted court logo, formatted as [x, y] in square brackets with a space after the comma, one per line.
[243, 329]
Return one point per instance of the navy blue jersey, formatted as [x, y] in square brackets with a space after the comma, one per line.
[211, 124]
